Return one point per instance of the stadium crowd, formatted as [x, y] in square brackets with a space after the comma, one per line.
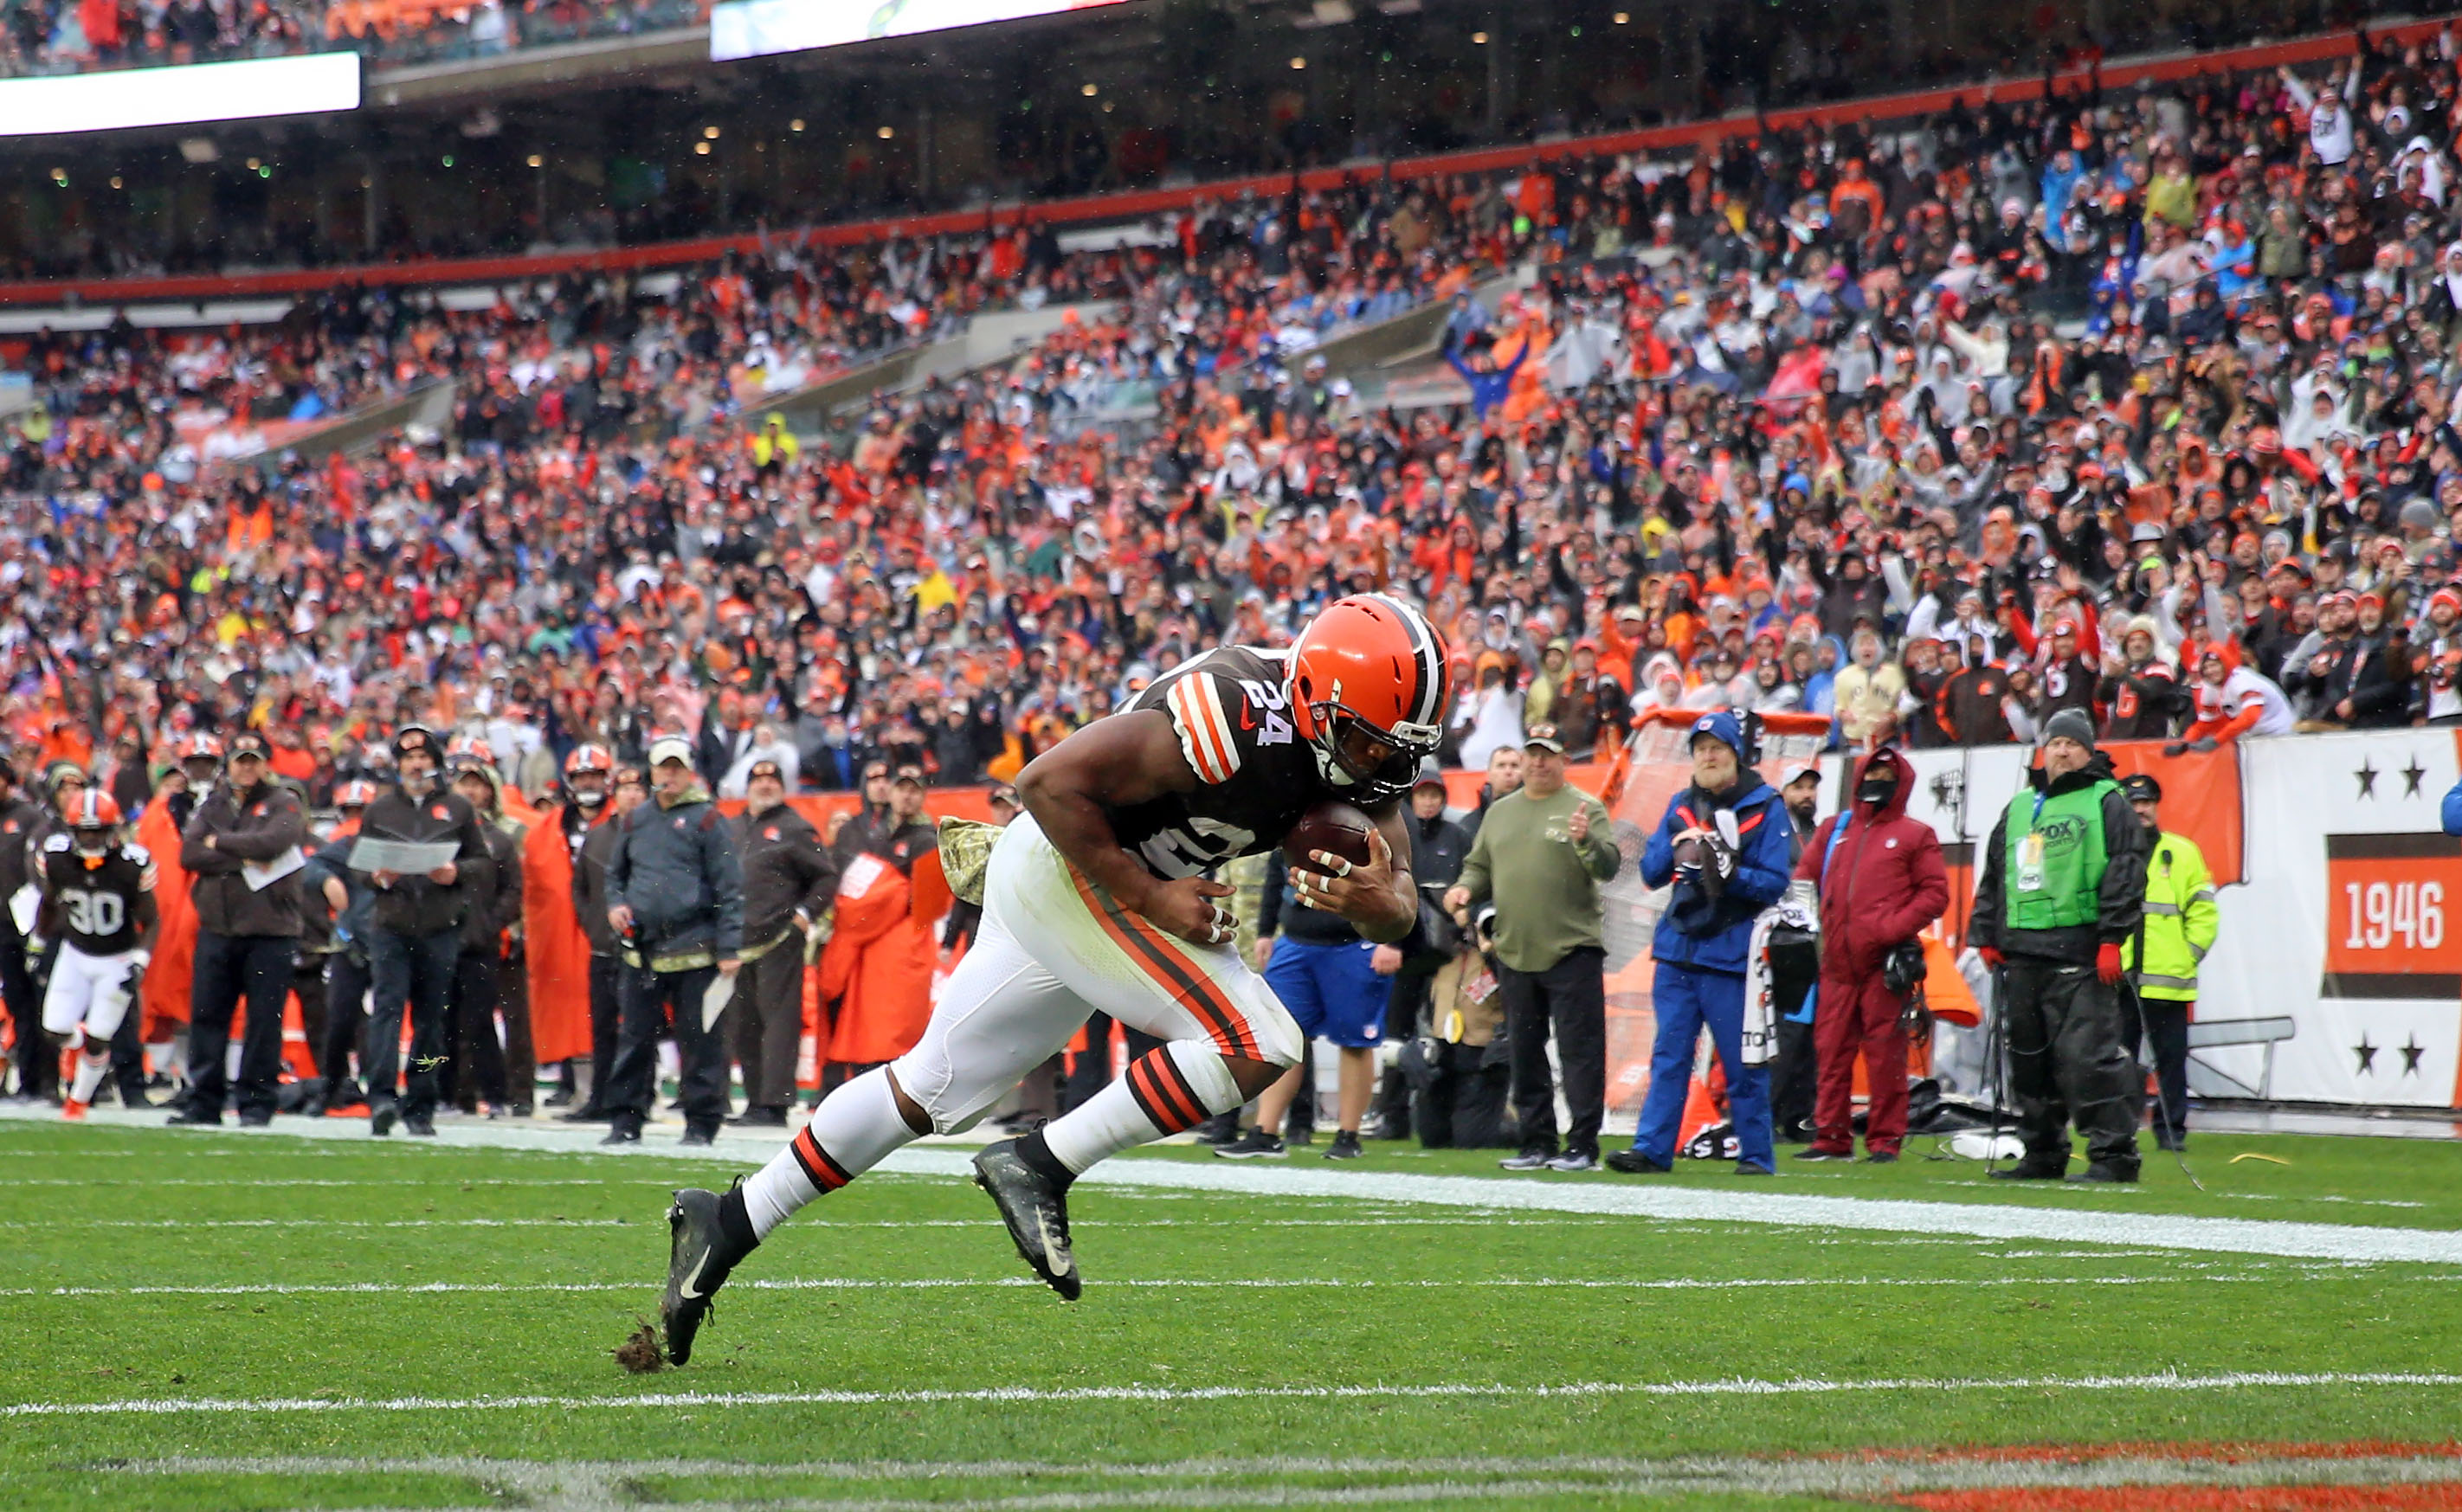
[2133, 404]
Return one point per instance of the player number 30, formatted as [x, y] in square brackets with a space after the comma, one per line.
[94, 914]
[2380, 911]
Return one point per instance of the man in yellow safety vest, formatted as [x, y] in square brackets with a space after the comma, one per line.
[2177, 929]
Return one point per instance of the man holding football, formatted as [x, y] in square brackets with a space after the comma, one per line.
[1095, 899]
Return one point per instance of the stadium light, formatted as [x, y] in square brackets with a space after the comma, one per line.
[171, 96]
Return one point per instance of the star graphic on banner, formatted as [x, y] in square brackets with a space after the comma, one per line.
[2410, 1054]
[2367, 1054]
[2368, 776]
[2411, 776]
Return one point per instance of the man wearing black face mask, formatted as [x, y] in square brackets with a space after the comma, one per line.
[1881, 882]
[417, 936]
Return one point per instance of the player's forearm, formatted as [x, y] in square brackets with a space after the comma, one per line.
[1402, 916]
[1078, 827]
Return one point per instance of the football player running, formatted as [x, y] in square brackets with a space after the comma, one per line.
[97, 901]
[1095, 899]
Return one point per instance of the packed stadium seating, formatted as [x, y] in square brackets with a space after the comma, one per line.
[2022, 363]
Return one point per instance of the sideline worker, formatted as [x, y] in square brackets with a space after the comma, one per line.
[1727, 847]
[2179, 927]
[2064, 881]
[1882, 883]
[1542, 853]
[675, 895]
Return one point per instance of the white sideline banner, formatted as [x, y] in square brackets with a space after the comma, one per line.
[2346, 919]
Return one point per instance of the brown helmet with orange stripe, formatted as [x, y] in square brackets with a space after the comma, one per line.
[1368, 679]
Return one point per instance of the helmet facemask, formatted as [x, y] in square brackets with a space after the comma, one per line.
[1353, 753]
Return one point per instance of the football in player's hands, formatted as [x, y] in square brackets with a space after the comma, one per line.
[1334, 826]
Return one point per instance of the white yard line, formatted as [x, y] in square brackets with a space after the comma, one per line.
[2221, 1464]
[2067, 1223]
[1031, 1395]
[420, 1288]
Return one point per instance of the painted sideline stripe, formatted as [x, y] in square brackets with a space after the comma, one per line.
[1738, 1386]
[1604, 1198]
[1217, 1483]
[2170, 1231]
[409, 1288]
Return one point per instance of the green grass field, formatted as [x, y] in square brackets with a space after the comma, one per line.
[291, 1322]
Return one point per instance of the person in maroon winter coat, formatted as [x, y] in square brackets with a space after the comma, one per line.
[1881, 882]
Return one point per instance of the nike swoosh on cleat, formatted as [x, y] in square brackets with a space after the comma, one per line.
[687, 1292]
[1055, 1257]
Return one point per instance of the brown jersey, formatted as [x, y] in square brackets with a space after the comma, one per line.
[1255, 776]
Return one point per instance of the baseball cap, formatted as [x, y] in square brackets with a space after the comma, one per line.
[1798, 773]
[1431, 775]
[766, 767]
[413, 738]
[2142, 787]
[909, 773]
[1002, 792]
[670, 748]
[1543, 737]
[246, 742]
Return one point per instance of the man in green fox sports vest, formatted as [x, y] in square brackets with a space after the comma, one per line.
[2062, 890]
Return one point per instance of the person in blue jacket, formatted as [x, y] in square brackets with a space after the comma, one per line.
[2452, 813]
[1703, 939]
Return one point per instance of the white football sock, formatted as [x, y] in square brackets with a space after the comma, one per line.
[853, 1130]
[89, 1076]
[1173, 1087]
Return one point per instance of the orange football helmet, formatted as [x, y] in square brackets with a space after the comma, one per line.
[356, 794]
[93, 809]
[589, 758]
[201, 748]
[1368, 693]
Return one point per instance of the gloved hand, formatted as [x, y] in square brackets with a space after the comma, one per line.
[2106, 965]
[2202, 743]
[1992, 957]
[2176, 748]
[1722, 858]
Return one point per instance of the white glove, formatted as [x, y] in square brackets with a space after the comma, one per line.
[1722, 858]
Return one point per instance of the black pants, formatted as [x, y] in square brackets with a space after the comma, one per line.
[1089, 1070]
[308, 986]
[128, 1058]
[1569, 996]
[2166, 1042]
[346, 1017]
[413, 972]
[765, 1023]
[38, 1068]
[230, 968]
[513, 1003]
[475, 1069]
[606, 1012]
[633, 1086]
[1462, 1104]
[2069, 1060]
[1792, 1081]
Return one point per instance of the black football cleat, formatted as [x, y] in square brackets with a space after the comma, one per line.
[1036, 1210]
[699, 1257]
